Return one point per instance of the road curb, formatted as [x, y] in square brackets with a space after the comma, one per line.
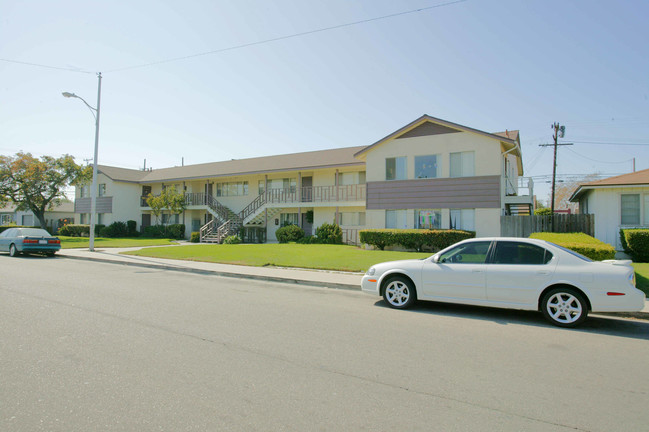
[319, 284]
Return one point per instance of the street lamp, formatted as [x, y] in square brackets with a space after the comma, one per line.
[93, 191]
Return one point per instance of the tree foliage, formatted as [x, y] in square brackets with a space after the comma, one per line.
[170, 199]
[38, 184]
[564, 190]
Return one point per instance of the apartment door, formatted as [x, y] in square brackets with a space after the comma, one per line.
[146, 220]
[307, 189]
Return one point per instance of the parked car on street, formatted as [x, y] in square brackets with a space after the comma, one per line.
[28, 240]
[513, 273]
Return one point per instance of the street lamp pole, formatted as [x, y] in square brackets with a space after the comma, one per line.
[93, 192]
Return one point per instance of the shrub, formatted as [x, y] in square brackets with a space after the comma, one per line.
[329, 234]
[636, 243]
[176, 231]
[131, 228]
[289, 233]
[75, 230]
[98, 228]
[154, 231]
[196, 237]
[308, 240]
[233, 239]
[413, 238]
[544, 211]
[580, 243]
[116, 229]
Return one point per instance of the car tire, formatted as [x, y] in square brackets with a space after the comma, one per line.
[13, 252]
[399, 292]
[564, 307]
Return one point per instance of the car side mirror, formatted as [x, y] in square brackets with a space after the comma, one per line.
[436, 259]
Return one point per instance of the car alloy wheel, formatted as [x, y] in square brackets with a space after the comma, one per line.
[399, 293]
[564, 307]
[13, 251]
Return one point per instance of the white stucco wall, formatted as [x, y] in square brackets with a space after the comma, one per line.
[487, 153]
[605, 204]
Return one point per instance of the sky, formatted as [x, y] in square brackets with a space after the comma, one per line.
[205, 81]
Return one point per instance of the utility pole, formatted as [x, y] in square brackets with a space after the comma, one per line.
[559, 132]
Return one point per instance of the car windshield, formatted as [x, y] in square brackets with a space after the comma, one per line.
[35, 232]
[572, 252]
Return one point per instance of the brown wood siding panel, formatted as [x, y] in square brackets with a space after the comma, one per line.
[104, 205]
[463, 192]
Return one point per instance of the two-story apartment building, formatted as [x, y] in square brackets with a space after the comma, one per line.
[429, 174]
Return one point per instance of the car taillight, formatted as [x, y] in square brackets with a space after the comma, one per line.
[56, 241]
[29, 241]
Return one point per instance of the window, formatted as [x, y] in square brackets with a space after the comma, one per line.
[428, 219]
[5, 219]
[395, 219]
[261, 187]
[83, 218]
[630, 209]
[426, 167]
[100, 218]
[646, 210]
[352, 218]
[520, 253]
[170, 218]
[83, 192]
[288, 219]
[102, 189]
[468, 253]
[232, 189]
[290, 184]
[463, 219]
[395, 168]
[462, 164]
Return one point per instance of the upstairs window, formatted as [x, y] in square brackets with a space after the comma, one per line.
[395, 168]
[426, 166]
[462, 164]
[102, 189]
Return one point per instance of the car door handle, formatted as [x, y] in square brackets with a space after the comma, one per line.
[542, 272]
[477, 270]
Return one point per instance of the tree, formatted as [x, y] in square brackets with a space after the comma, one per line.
[38, 185]
[169, 199]
[565, 189]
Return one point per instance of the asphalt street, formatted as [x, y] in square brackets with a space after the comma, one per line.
[88, 346]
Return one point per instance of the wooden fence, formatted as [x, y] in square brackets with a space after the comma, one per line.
[523, 226]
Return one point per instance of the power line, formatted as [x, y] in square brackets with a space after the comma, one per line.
[599, 161]
[46, 66]
[610, 143]
[286, 37]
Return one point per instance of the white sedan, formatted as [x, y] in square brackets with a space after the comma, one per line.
[513, 273]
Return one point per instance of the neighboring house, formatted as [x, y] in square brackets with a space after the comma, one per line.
[429, 174]
[617, 202]
[54, 218]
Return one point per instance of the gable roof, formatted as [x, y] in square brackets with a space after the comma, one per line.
[259, 165]
[638, 178]
[504, 137]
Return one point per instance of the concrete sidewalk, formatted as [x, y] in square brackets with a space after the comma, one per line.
[319, 278]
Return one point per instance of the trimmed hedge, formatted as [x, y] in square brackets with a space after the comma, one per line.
[289, 233]
[581, 243]
[233, 239]
[173, 231]
[195, 237]
[75, 230]
[413, 238]
[635, 243]
[329, 234]
[116, 229]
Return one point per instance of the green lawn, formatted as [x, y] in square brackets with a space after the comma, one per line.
[324, 257]
[642, 276]
[82, 242]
